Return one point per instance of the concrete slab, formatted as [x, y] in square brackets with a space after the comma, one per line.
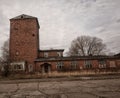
[62, 89]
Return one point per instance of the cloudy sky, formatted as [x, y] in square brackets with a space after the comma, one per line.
[63, 20]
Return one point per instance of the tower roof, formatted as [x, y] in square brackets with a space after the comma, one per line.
[23, 16]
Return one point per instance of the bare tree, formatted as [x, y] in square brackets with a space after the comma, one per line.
[4, 59]
[86, 45]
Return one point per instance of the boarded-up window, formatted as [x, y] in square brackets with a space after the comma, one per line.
[112, 64]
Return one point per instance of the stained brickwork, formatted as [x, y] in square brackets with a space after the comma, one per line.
[50, 53]
[24, 47]
[24, 40]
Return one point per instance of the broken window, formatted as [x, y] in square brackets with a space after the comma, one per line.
[102, 64]
[88, 64]
[59, 65]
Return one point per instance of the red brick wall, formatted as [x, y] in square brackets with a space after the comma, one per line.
[118, 63]
[95, 63]
[24, 40]
[80, 64]
[50, 54]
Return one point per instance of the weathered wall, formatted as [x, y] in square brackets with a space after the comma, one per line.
[50, 53]
[80, 65]
[24, 41]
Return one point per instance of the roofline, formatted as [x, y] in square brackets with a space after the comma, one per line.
[15, 18]
[51, 50]
[28, 18]
[117, 54]
[75, 58]
[31, 17]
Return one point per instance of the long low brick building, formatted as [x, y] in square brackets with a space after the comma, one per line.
[25, 55]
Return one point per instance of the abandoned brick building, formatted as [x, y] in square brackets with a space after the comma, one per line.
[26, 56]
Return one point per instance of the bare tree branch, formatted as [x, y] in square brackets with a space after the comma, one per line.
[86, 45]
[4, 59]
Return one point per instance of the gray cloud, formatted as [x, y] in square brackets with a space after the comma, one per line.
[63, 20]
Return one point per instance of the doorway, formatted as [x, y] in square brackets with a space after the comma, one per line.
[46, 68]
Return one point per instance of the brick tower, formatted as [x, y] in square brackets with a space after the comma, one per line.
[24, 42]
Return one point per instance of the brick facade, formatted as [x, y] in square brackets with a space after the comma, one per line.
[24, 40]
[24, 47]
[51, 53]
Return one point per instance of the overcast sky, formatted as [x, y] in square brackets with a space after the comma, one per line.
[63, 20]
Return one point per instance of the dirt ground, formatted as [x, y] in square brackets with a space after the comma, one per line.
[61, 88]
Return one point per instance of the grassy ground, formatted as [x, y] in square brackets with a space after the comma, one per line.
[69, 77]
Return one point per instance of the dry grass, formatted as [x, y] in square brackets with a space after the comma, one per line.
[57, 74]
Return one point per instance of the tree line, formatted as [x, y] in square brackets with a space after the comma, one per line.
[86, 46]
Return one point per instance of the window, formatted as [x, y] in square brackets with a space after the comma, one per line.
[30, 68]
[18, 67]
[102, 64]
[118, 62]
[59, 65]
[112, 64]
[22, 17]
[33, 35]
[45, 54]
[16, 43]
[59, 54]
[88, 64]
[17, 53]
[73, 65]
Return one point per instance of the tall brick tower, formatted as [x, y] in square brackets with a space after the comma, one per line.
[24, 42]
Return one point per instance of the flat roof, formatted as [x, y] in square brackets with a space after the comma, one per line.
[51, 50]
[75, 58]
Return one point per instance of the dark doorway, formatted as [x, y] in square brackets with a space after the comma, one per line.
[46, 67]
